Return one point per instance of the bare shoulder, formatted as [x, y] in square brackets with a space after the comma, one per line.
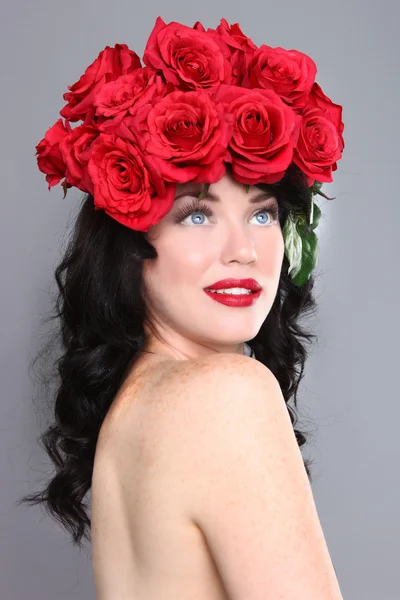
[247, 489]
[229, 404]
[192, 400]
[231, 369]
[224, 384]
[227, 409]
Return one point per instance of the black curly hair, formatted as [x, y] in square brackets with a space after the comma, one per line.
[100, 312]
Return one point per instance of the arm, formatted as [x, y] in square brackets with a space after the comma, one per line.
[251, 496]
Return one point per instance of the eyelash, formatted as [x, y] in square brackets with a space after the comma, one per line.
[201, 207]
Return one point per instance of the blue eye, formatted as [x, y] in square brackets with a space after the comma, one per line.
[262, 211]
[196, 213]
[194, 208]
[199, 208]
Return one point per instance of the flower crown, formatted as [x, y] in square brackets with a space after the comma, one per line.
[204, 99]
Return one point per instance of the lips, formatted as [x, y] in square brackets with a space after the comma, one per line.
[248, 284]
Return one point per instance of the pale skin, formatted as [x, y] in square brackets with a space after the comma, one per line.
[185, 505]
[233, 242]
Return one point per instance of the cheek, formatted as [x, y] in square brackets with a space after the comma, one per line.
[278, 254]
[179, 263]
[271, 251]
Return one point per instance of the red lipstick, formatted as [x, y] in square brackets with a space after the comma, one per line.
[249, 284]
[246, 299]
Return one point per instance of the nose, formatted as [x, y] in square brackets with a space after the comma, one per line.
[238, 245]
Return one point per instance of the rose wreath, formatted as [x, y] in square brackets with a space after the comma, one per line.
[202, 100]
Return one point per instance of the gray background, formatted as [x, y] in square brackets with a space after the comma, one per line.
[350, 395]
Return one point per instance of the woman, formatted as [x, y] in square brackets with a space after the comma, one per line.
[180, 428]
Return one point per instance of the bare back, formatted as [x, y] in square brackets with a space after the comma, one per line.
[149, 550]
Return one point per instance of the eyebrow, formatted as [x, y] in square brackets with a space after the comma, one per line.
[215, 198]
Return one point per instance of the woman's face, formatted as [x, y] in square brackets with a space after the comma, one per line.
[235, 240]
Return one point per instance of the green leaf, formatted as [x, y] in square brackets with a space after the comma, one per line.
[293, 245]
[247, 188]
[316, 216]
[301, 249]
[308, 259]
[300, 220]
[301, 242]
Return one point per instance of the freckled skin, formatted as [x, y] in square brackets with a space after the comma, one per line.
[233, 242]
[143, 544]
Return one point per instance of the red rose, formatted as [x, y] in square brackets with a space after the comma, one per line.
[126, 94]
[76, 150]
[108, 66]
[320, 143]
[124, 185]
[187, 134]
[331, 110]
[264, 132]
[50, 159]
[189, 58]
[289, 73]
[241, 49]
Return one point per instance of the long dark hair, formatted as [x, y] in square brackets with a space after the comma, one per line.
[100, 312]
